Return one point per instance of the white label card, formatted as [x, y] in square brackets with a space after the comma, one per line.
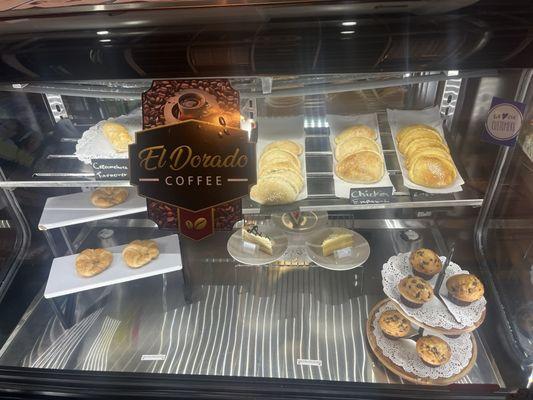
[153, 357]
[313, 363]
[248, 247]
[343, 253]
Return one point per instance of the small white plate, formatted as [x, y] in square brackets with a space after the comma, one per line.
[353, 257]
[312, 221]
[250, 255]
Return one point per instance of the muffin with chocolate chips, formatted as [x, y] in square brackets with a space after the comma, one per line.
[464, 289]
[394, 325]
[415, 291]
[433, 351]
[425, 263]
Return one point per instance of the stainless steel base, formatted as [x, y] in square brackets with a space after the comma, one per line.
[217, 318]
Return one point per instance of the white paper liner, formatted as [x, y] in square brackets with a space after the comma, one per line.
[94, 144]
[429, 116]
[271, 129]
[433, 313]
[402, 352]
[337, 123]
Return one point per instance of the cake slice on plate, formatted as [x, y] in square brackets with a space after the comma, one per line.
[252, 235]
[336, 241]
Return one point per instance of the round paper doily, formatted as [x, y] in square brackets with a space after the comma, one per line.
[434, 313]
[400, 356]
[94, 144]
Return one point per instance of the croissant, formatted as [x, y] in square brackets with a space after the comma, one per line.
[118, 136]
[140, 252]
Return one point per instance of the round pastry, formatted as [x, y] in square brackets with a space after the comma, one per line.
[425, 263]
[294, 178]
[414, 291]
[418, 144]
[362, 167]
[353, 145]
[140, 252]
[421, 133]
[91, 262]
[433, 172]
[406, 129]
[287, 145]
[273, 190]
[428, 152]
[433, 351]
[277, 166]
[106, 197]
[278, 155]
[464, 289]
[394, 325]
[356, 131]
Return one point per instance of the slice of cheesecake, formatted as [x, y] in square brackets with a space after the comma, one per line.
[261, 240]
[336, 241]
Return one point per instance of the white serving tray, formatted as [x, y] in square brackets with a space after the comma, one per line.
[77, 208]
[283, 128]
[429, 116]
[63, 278]
[337, 123]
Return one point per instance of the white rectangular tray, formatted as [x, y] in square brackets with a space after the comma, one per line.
[337, 123]
[283, 128]
[63, 278]
[429, 116]
[77, 208]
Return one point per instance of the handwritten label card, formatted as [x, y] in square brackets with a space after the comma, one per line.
[419, 195]
[111, 169]
[377, 195]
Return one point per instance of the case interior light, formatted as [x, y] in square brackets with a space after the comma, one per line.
[105, 40]
[347, 32]
[453, 73]
[349, 23]
[102, 33]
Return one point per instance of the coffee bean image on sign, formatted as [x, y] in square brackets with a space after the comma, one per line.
[190, 165]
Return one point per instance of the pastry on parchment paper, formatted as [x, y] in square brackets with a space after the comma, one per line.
[363, 131]
[353, 145]
[362, 167]
[287, 145]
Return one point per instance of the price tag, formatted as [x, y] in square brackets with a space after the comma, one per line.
[248, 247]
[377, 195]
[343, 253]
[111, 169]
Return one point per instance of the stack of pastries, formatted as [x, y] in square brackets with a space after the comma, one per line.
[358, 155]
[426, 156]
[279, 176]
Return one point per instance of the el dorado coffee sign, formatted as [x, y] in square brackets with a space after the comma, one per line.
[193, 162]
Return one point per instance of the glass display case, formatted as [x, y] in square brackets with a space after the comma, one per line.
[383, 247]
